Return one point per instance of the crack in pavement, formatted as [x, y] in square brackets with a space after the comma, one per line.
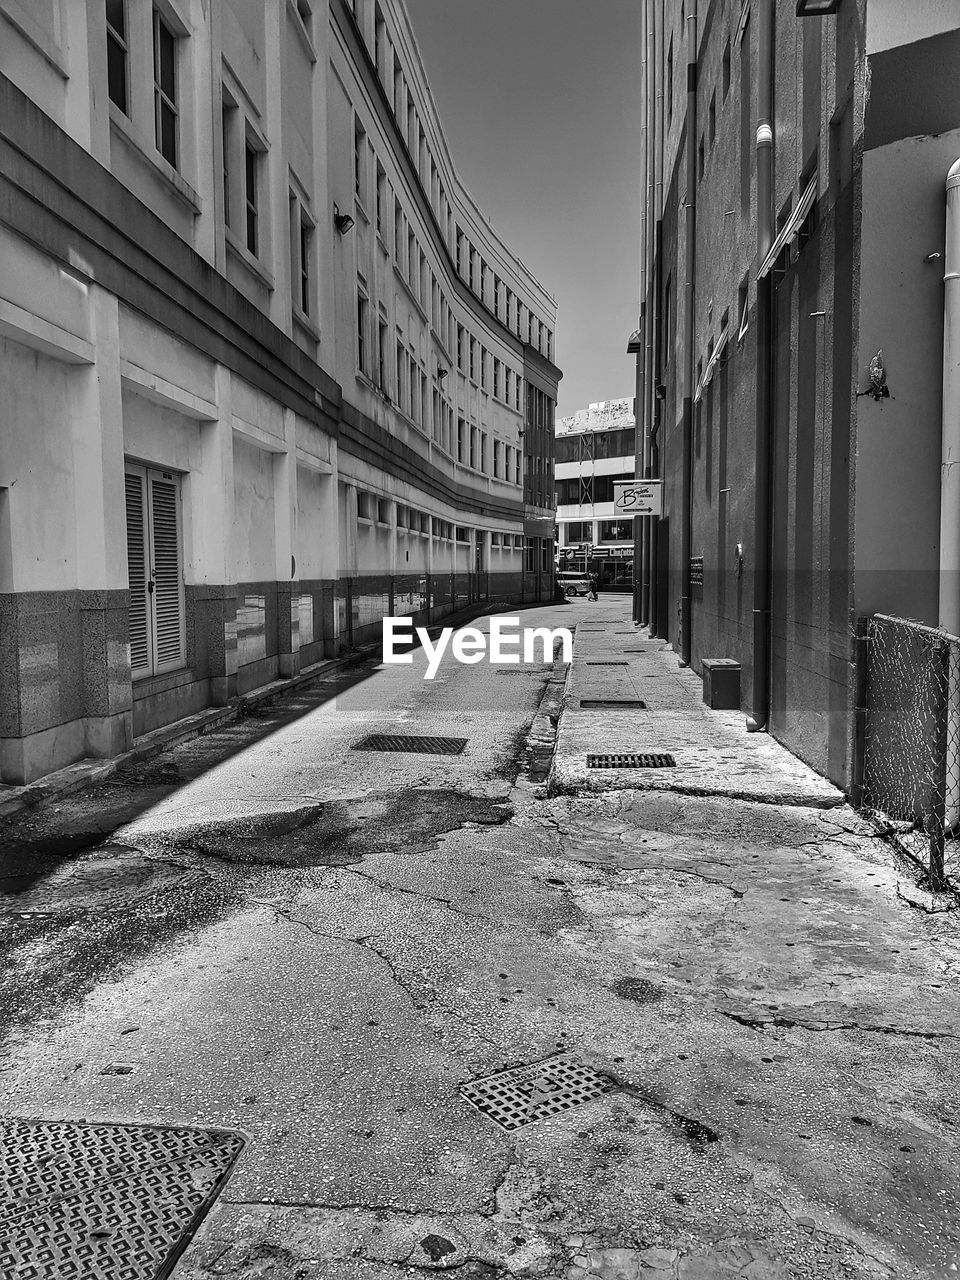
[757, 1023]
[413, 893]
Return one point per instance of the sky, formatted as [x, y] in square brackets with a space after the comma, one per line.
[540, 104]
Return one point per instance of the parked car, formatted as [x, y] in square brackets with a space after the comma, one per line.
[574, 584]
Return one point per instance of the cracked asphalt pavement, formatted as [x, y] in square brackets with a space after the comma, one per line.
[263, 930]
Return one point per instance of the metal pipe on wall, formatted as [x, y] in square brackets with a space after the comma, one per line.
[657, 249]
[950, 430]
[763, 479]
[640, 384]
[689, 289]
[651, 295]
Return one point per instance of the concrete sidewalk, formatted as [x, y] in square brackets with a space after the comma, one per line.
[714, 753]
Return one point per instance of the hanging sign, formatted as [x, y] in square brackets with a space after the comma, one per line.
[638, 498]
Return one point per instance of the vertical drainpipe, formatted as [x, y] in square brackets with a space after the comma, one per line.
[656, 281]
[639, 400]
[763, 479]
[950, 431]
[650, 373]
[689, 288]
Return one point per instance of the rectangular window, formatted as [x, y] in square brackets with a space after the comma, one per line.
[461, 439]
[483, 368]
[497, 389]
[251, 195]
[497, 455]
[154, 566]
[473, 447]
[397, 234]
[117, 53]
[359, 158]
[361, 333]
[382, 354]
[473, 360]
[472, 269]
[483, 451]
[460, 338]
[400, 361]
[459, 252]
[381, 187]
[166, 112]
[228, 125]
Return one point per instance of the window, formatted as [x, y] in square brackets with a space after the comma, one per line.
[483, 368]
[484, 452]
[460, 337]
[382, 354]
[154, 566]
[251, 195]
[398, 234]
[459, 252]
[381, 188]
[301, 256]
[518, 463]
[497, 388]
[400, 363]
[117, 53]
[166, 112]
[361, 332]
[497, 457]
[461, 439]
[228, 127]
[472, 268]
[725, 73]
[359, 159]
[483, 281]
[712, 132]
[473, 359]
[473, 447]
[670, 82]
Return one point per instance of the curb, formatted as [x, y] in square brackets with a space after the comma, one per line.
[88, 772]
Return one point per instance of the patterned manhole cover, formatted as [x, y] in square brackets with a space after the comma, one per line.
[410, 742]
[536, 1091]
[633, 760]
[82, 1201]
[613, 704]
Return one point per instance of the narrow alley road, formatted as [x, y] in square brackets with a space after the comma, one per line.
[270, 932]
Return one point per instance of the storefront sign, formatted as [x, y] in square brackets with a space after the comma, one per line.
[638, 498]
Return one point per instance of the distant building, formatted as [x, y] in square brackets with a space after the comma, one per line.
[266, 367]
[594, 449]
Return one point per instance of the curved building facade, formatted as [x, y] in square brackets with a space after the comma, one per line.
[267, 362]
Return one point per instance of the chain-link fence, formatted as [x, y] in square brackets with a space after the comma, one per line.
[910, 690]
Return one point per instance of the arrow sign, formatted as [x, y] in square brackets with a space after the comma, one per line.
[638, 498]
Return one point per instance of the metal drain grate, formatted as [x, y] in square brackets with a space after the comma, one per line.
[611, 704]
[607, 662]
[633, 760]
[79, 1200]
[427, 746]
[522, 1095]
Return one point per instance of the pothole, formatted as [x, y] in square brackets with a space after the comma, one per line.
[111, 876]
[340, 833]
[640, 990]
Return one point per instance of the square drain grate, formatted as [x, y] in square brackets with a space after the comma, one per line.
[633, 760]
[427, 746]
[607, 662]
[522, 1095]
[79, 1199]
[613, 704]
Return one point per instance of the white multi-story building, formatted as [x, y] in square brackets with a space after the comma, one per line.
[264, 361]
[594, 449]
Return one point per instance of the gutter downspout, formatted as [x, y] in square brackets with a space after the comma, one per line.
[640, 383]
[689, 288]
[652, 305]
[950, 431]
[763, 481]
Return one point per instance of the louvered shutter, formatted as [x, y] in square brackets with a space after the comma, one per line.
[168, 584]
[140, 656]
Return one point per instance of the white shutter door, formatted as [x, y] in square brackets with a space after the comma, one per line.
[140, 648]
[168, 611]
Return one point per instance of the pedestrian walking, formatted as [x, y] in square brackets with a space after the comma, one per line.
[594, 585]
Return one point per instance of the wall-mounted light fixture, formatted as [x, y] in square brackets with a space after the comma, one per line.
[816, 8]
[342, 221]
[441, 373]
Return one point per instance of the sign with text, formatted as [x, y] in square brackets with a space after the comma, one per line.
[638, 498]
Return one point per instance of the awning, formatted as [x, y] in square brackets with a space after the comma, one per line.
[791, 228]
[707, 376]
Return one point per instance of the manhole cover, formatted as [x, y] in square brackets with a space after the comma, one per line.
[606, 662]
[524, 1094]
[81, 1200]
[612, 704]
[410, 742]
[633, 760]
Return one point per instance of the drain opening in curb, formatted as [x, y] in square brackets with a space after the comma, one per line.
[537, 1090]
[607, 662]
[633, 760]
[423, 745]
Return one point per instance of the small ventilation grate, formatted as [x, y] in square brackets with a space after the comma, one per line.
[606, 662]
[633, 760]
[612, 704]
[410, 742]
[627, 650]
[536, 1091]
